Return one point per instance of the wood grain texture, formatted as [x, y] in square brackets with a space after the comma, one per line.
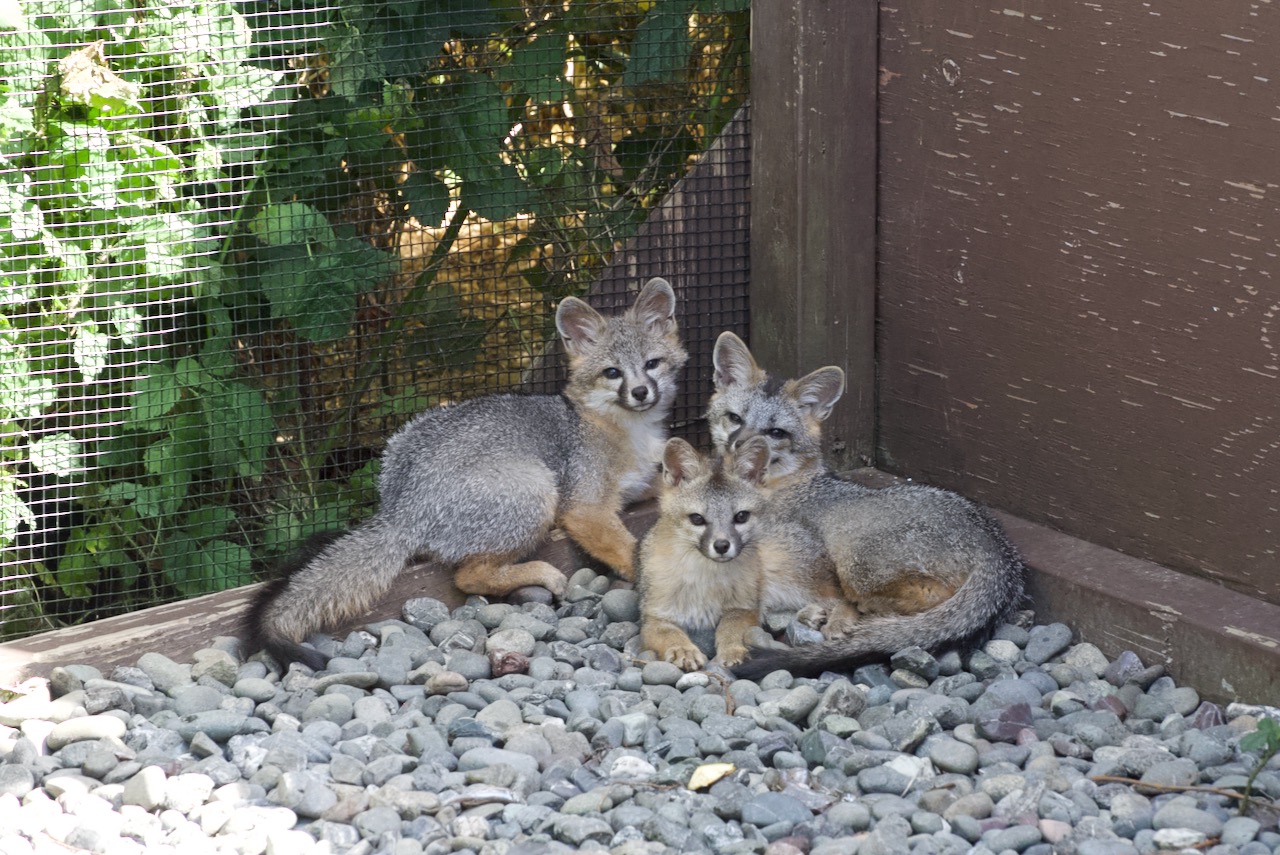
[179, 629]
[813, 71]
[1078, 246]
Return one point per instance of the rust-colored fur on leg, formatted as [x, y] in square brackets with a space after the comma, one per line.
[601, 533]
[672, 644]
[495, 575]
[908, 594]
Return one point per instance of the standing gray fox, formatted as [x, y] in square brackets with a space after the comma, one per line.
[916, 566]
[477, 486]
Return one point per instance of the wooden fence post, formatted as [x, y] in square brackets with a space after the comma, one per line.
[813, 208]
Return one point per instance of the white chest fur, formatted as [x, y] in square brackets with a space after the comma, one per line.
[647, 435]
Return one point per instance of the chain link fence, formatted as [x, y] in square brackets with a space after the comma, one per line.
[242, 242]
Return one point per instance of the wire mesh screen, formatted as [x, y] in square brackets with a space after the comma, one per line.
[242, 242]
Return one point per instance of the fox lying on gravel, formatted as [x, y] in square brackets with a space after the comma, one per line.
[479, 485]
[915, 565]
[721, 553]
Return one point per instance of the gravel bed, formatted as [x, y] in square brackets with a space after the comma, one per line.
[506, 729]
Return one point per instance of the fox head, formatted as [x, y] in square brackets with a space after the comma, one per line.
[627, 363]
[748, 403]
[712, 503]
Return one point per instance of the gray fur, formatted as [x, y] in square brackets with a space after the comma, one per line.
[490, 476]
[873, 537]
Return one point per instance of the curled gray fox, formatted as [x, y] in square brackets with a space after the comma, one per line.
[915, 565]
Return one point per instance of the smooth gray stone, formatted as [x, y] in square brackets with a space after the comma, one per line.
[769, 808]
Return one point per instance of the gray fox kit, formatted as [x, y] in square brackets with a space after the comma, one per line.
[702, 564]
[478, 485]
[917, 566]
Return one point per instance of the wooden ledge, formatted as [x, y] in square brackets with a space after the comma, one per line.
[179, 629]
[1223, 643]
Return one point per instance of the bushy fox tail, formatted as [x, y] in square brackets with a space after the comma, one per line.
[333, 578]
[986, 598]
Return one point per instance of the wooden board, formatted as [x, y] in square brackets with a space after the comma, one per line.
[1079, 296]
[813, 170]
[179, 629]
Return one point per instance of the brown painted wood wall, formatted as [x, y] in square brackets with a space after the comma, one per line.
[1079, 228]
[813, 185]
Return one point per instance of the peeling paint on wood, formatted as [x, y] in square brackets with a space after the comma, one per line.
[1079, 249]
[813, 171]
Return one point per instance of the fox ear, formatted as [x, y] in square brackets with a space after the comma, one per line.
[579, 325]
[656, 306]
[734, 364]
[818, 391]
[751, 459]
[680, 462]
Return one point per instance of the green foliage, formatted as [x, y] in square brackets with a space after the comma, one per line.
[1265, 742]
[198, 201]
[115, 119]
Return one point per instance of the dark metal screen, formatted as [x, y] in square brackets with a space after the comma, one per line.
[241, 243]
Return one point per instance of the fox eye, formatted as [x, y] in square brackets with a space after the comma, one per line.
[612, 373]
[652, 364]
[734, 418]
[741, 516]
[698, 519]
[778, 433]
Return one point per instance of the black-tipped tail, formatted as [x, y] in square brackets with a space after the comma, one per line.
[256, 629]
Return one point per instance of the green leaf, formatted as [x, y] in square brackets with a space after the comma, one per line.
[1265, 738]
[195, 568]
[22, 396]
[210, 521]
[91, 350]
[58, 454]
[167, 461]
[126, 321]
[446, 337]
[14, 512]
[122, 492]
[291, 224]
[24, 65]
[241, 429]
[315, 295]
[155, 395]
[537, 68]
[496, 193]
[660, 50]
[427, 198]
[226, 564]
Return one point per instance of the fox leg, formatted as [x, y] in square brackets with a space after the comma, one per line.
[601, 533]
[671, 643]
[833, 617]
[731, 645]
[496, 575]
[908, 594]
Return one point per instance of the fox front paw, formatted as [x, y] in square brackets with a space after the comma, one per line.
[685, 657]
[556, 583]
[731, 655]
[813, 616]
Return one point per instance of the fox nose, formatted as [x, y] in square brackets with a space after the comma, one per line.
[640, 393]
[720, 546]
